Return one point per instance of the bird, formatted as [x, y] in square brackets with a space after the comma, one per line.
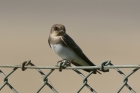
[66, 48]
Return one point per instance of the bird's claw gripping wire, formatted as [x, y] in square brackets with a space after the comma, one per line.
[63, 64]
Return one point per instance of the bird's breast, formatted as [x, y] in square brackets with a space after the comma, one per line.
[63, 51]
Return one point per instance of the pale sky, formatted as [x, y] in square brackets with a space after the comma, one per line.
[104, 30]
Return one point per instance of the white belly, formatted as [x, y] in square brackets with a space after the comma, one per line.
[63, 52]
[68, 54]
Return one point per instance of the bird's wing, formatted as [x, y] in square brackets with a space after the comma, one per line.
[67, 40]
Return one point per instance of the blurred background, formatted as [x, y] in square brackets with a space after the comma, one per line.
[104, 29]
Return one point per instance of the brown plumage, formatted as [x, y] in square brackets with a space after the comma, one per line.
[66, 48]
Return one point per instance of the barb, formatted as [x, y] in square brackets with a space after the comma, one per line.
[77, 67]
[105, 66]
[45, 79]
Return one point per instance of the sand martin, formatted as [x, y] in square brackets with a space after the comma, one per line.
[65, 47]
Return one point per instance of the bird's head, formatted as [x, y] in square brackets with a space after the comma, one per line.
[58, 30]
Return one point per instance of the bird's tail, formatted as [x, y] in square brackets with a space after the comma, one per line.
[89, 70]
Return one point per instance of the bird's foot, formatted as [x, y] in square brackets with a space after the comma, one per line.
[62, 64]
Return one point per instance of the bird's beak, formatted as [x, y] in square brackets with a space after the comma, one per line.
[62, 30]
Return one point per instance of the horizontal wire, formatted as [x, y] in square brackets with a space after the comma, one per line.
[77, 67]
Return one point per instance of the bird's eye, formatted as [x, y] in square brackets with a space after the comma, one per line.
[56, 28]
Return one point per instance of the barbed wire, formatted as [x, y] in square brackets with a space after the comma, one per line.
[105, 66]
